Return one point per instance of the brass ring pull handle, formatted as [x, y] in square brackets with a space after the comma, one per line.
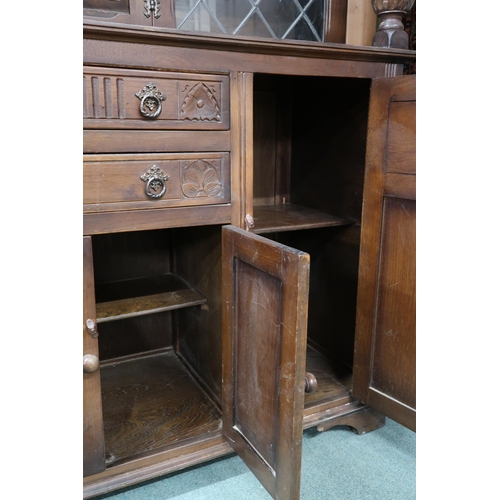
[311, 383]
[90, 363]
[155, 180]
[151, 99]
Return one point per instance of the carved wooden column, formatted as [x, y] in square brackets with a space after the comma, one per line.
[391, 31]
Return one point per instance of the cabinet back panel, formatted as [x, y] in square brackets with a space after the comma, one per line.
[329, 128]
[135, 335]
[121, 256]
[309, 142]
[332, 289]
[264, 157]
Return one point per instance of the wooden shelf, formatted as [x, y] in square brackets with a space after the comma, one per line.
[137, 297]
[289, 217]
[151, 404]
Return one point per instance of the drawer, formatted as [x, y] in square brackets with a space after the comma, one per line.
[135, 182]
[156, 100]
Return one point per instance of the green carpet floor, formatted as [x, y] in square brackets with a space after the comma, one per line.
[336, 465]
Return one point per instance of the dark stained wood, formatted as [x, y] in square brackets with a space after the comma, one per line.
[241, 146]
[289, 217]
[113, 182]
[384, 363]
[272, 110]
[328, 144]
[334, 384]
[191, 101]
[153, 55]
[197, 258]
[152, 403]
[132, 288]
[362, 421]
[116, 11]
[293, 138]
[128, 266]
[141, 220]
[122, 258]
[149, 304]
[334, 253]
[129, 12]
[393, 371]
[184, 455]
[265, 288]
[135, 335]
[255, 50]
[335, 21]
[93, 434]
[265, 145]
[127, 141]
[401, 144]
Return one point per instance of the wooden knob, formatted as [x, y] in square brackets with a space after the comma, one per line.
[90, 363]
[311, 383]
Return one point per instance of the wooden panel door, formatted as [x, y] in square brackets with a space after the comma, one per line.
[265, 296]
[93, 430]
[385, 353]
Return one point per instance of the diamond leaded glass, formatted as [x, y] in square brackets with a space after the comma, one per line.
[279, 19]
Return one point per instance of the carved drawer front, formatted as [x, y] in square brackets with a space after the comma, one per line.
[134, 182]
[157, 100]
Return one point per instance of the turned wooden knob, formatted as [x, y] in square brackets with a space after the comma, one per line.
[311, 383]
[90, 363]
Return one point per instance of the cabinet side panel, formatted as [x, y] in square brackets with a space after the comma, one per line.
[198, 260]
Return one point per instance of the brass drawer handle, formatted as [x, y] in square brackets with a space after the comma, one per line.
[155, 180]
[151, 99]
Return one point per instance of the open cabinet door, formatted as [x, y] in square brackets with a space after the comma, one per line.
[93, 430]
[384, 360]
[265, 295]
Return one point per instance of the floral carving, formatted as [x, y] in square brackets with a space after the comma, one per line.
[200, 179]
[200, 104]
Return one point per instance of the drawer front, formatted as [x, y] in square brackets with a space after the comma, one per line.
[136, 182]
[156, 100]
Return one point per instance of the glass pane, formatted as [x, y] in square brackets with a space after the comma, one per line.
[279, 19]
[107, 5]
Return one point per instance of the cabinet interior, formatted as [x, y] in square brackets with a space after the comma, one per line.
[158, 293]
[159, 320]
[309, 159]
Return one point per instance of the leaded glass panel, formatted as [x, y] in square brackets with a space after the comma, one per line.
[279, 19]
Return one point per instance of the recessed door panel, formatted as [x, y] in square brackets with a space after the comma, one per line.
[265, 294]
[384, 360]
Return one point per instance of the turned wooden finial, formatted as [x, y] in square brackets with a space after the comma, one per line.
[391, 31]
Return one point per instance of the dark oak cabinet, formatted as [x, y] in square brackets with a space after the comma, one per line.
[248, 251]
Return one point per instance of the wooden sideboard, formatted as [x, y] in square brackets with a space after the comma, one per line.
[248, 249]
